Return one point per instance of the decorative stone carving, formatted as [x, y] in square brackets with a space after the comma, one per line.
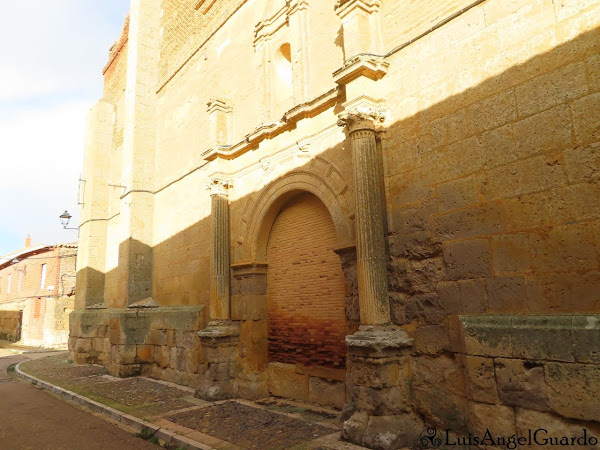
[361, 26]
[345, 7]
[362, 118]
[218, 186]
[219, 118]
[371, 66]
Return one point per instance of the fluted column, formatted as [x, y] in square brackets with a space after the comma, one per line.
[370, 215]
[219, 292]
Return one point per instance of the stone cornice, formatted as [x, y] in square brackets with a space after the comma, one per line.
[362, 118]
[218, 104]
[345, 7]
[266, 131]
[364, 64]
[297, 5]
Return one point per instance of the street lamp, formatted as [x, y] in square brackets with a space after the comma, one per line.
[64, 220]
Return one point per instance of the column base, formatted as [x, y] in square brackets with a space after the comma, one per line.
[220, 344]
[378, 413]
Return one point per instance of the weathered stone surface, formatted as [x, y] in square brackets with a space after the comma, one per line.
[326, 392]
[521, 383]
[486, 335]
[585, 335]
[253, 390]
[500, 420]
[467, 259]
[374, 373]
[431, 339]
[157, 337]
[144, 354]
[123, 354]
[542, 337]
[285, 382]
[354, 428]
[438, 391]
[426, 308]
[573, 390]
[380, 402]
[392, 432]
[481, 379]
[554, 426]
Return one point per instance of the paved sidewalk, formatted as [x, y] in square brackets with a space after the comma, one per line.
[32, 418]
[174, 417]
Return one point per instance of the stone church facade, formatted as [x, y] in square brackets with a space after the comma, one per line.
[383, 206]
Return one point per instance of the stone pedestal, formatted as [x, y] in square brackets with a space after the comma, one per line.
[220, 344]
[378, 414]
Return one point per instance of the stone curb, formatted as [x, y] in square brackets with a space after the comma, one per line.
[126, 419]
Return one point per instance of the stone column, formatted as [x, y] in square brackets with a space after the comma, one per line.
[378, 413]
[220, 339]
[219, 290]
[370, 215]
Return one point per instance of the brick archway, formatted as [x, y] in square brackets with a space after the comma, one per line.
[305, 287]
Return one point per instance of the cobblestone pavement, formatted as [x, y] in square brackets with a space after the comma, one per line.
[237, 423]
[268, 424]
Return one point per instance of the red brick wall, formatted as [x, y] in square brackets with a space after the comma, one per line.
[305, 287]
[36, 318]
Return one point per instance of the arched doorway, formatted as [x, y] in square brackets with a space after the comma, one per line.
[305, 287]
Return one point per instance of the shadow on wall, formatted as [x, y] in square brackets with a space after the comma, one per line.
[493, 207]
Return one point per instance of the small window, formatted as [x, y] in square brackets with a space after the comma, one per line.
[43, 283]
[283, 74]
[9, 280]
[20, 279]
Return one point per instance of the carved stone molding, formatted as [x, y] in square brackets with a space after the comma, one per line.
[362, 118]
[218, 104]
[370, 66]
[218, 186]
[345, 7]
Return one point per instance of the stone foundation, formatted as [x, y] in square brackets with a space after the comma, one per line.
[159, 342]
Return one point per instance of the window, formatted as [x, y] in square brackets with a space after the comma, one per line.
[283, 73]
[43, 283]
[20, 279]
[9, 280]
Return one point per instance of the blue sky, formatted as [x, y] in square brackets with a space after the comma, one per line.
[52, 54]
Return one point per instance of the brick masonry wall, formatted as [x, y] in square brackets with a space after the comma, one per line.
[184, 28]
[406, 20]
[305, 287]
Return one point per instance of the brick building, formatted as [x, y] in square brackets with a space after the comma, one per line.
[37, 287]
[389, 207]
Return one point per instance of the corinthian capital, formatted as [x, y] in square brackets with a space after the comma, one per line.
[218, 186]
[369, 118]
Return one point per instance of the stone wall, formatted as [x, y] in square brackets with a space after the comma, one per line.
[158, 342]
[487, 132]
[10, 325]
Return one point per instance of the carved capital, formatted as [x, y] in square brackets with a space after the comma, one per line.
[362, 118]
[218, 186]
